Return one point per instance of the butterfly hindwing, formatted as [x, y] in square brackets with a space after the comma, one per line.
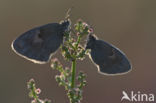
[40, 43]
[109, 59]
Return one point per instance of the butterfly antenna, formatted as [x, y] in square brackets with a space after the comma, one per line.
[68, 13]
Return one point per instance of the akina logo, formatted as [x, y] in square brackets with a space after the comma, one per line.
[137, 97]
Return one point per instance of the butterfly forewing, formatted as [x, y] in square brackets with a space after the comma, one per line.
[40, 43]
[109, 59]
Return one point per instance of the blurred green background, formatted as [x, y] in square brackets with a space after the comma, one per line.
[128, 24]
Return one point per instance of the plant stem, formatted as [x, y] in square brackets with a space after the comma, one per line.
[35, 95]
[74, 64]
[78, 41]
[73, 73]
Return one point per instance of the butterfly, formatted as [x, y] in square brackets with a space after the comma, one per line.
[40, 43]
[108, 59]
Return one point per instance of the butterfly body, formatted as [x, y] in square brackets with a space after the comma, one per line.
[109, 59]
[38, 44]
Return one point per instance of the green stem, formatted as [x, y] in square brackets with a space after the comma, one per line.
[35, 95]
[74, 64]
[73, 73]
[78, 41]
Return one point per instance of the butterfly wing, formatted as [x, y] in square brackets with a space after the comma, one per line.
[38, 44]
[109, 59]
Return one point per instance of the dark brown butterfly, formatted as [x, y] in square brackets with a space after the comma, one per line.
[40, 43]
[109, 59]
